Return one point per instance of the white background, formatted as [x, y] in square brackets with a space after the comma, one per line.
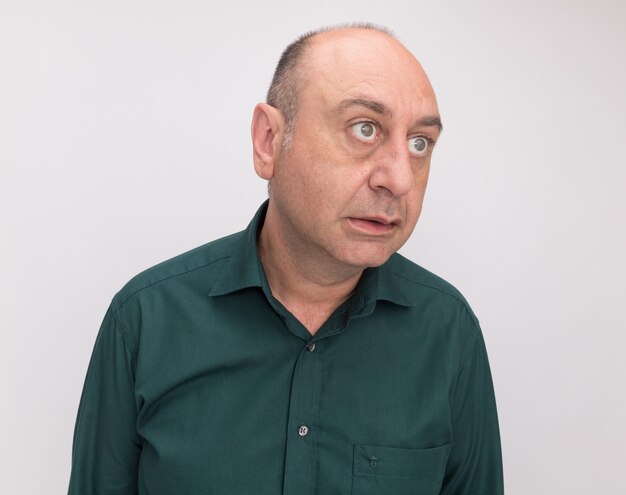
[124, 140]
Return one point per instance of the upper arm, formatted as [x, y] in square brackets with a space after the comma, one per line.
[475, 463]
[106, 447]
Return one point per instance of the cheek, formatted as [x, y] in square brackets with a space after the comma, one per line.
[330, 180]
[421, 181]
[414, 209]
[414, 203]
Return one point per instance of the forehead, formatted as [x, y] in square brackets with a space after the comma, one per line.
[356, 63]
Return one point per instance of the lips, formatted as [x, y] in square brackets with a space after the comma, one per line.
[373, 225]
[382, 220]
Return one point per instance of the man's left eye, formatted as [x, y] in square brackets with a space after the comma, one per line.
[365, 131]
[418, 145]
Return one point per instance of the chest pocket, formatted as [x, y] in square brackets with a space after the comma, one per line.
[397, 471]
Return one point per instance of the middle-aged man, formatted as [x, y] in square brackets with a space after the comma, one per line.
[302, 355]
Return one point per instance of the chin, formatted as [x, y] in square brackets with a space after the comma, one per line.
[378, 262]
[370, 261]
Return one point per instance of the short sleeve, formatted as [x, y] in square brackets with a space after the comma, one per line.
[475, 463]
[106, 446]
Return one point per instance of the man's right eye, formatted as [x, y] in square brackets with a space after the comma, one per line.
[365, 131]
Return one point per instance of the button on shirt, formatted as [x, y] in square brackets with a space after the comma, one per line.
[201, 382]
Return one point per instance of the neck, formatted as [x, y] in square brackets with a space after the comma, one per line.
[309, 290]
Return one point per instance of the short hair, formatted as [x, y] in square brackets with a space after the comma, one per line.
[283, 91]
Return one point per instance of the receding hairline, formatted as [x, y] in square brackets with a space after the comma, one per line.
[298, 51]
[308, 40]
[356, 26]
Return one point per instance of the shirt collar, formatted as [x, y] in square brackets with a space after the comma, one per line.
[244, 270]
[383, 284]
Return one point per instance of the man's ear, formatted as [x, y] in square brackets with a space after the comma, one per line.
[268, 125]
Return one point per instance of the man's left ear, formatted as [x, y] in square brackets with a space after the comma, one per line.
[267, 129]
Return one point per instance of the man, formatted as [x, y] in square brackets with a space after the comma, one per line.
[302, 356]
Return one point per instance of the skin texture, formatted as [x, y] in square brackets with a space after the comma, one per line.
[348, 191]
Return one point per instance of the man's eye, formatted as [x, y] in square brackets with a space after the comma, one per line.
[418, 146]
[365, 131]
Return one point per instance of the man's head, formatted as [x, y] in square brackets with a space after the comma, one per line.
[347, 186]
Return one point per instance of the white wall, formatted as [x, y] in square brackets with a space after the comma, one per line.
[124, 140]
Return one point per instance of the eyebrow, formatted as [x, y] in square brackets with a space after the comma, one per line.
[434, 121]
[372, 105]
[381, 109]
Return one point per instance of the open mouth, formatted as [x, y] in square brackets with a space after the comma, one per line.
[372, 225]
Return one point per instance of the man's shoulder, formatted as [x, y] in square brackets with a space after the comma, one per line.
[420, 284]
[205, 261]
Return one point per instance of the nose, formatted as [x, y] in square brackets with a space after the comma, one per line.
[392, 168]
